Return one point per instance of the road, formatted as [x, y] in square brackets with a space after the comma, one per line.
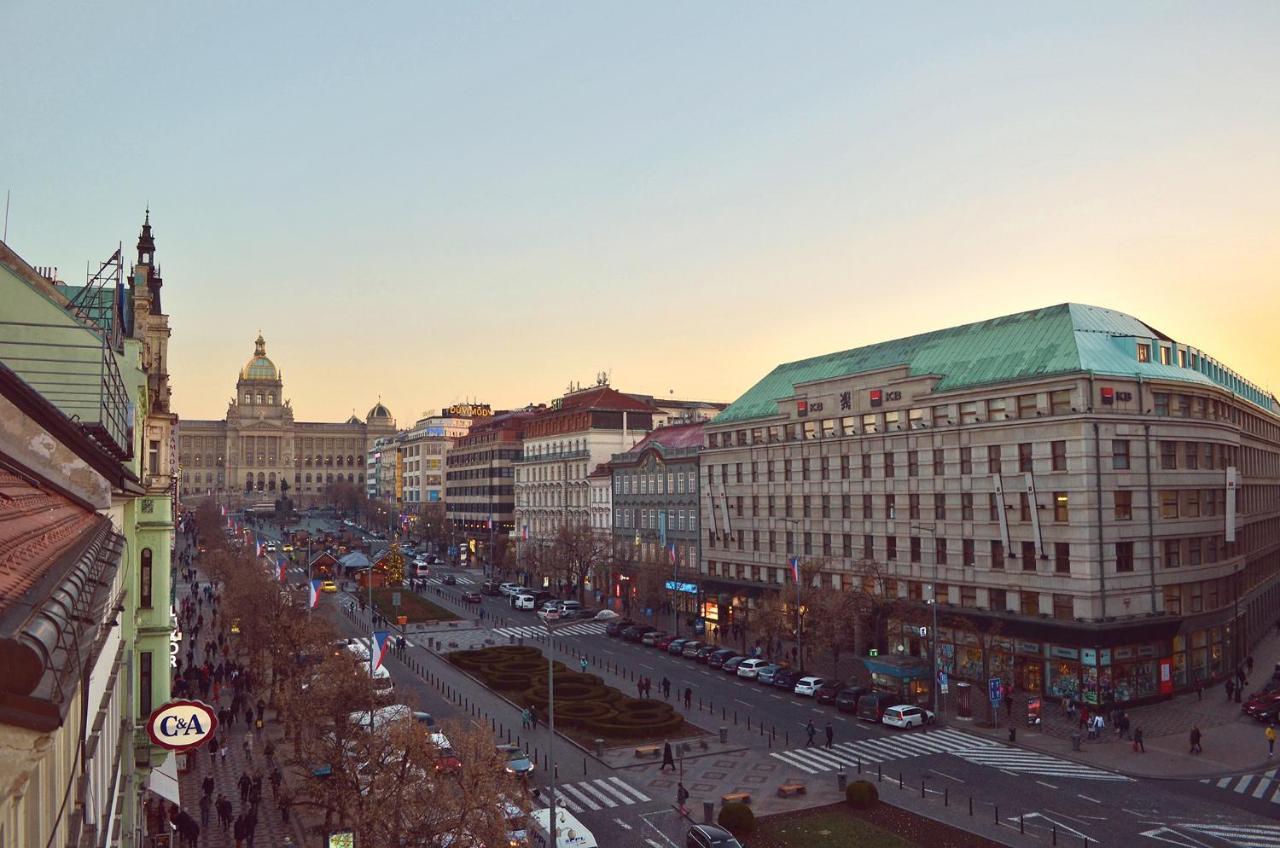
[1035, 796]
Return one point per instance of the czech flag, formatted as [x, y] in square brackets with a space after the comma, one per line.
[222, 510]
[524, 532]
[315, 593]
[381, 641]
[795, 568]
[671, 552]
[283, 565]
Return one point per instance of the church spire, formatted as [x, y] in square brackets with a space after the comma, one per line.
[146, 258]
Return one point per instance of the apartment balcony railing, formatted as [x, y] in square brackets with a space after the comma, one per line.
[562, 456]
[76, 371]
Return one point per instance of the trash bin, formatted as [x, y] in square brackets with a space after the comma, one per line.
[709, 811]
[599, 747]
[724, 735]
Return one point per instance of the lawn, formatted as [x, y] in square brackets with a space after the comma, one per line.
[824, 830]
[416, 608]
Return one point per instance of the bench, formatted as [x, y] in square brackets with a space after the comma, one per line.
[791, 788]
[730, 797]
[648, 751]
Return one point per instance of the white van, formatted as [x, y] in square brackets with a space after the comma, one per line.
[569, 831]
[383, 716]
[523, 602]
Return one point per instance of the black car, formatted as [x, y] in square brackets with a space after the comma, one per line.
[847, 699]
[826, 693]
[704, 653]
[716, 659]
[450, 580]
[710, 836]
[731, 665]
[615, 628]
[786, 679]
[635, 634]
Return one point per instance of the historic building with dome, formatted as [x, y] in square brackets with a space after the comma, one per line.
[260, 451]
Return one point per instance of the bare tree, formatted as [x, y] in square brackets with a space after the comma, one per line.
[434, 524]
[576, 553]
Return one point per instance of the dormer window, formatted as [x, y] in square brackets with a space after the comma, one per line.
[1144, 352]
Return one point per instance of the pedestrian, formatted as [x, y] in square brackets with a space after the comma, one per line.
[222, 755]
[240, 830]
[533, 717]
[1230, 687]
[276, 779]
[223, 806]
[1199, 690]
[668, 759]
[1195, 740]
[284, 802]
[688, 697]
[830, 734]
[270, 753]
[244, 783]
[1137, 740]
[206, 786]
[1270, 733]
[640, 688]
[811, 731]
[248, 718]
[582, 664]
[524, 719]
[248, 748]
[205, 803]
[262, 709]
[666, 689]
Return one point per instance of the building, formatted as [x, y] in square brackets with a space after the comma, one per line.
[480, 474]
[654, 498]
[562, 445]
[423, 448]
[1087, 497]
[382, 464]
[259, 452]
[87, 528]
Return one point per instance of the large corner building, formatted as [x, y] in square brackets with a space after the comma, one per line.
[1093, 502]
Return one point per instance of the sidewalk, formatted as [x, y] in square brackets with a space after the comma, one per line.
[1233, 743]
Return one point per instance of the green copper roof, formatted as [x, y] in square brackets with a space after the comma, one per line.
[1063, 339]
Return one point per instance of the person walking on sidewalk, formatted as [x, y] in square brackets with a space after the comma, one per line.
[688, 697]
[811, 731]
[667, 758]
[1195, 740]
[223, 806]
[666, 689]
[205, 803]
[1137, 740]
[1230, 687]
[830, 734]
[244, 783]
[1270, 733]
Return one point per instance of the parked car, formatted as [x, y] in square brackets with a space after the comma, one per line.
[328, 586]
[615, 628]
[704, 653]
[710, 836]
[1263, 707]
[635, 634]
[766, 672]
[826, 693]
[651, 639]
[786, 679]
[716, 659]
[472, 597]
[847, 699]
[446, 759]
[905, 715]
[664, 643]
[731, 665]
[871, 706]
[552, 614]
[491, 588]
[677, 646]
[807, 685]
[749, 668]
[523, 602]
[550, 605]
[510, 588]
[570, 609]
[690, 648]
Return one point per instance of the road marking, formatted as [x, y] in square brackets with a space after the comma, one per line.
[947, 776]
[797, 703]
[1087, 798]
[840, 718]
[1050, 785]
[622, 824]
[744, 703]
[779, 697]
[651, 668]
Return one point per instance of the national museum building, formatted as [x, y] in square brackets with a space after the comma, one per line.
[250, 456]
[1094, 503]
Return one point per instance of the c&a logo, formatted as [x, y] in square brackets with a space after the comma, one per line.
[182, 724]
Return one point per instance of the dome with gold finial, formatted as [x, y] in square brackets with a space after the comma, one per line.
[260, 368]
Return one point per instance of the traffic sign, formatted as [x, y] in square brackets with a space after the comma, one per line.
[993, 689]
[874, 652]
[924, 631]
[943, 682]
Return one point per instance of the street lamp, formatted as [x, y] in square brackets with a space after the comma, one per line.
[551, 725]
[794, 562]
[933, 640]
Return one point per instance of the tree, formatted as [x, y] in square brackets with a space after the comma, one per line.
[575, 554]
[434, 525]
[502, 555]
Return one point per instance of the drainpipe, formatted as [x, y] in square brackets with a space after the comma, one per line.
[1151, 506]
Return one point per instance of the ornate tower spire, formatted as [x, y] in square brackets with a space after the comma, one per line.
[146, 258]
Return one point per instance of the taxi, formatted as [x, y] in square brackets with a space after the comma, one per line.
[328, 586]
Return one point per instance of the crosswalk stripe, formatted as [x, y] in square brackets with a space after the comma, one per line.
[790, 758]
[1263, 785]
[582, 798]
[1223, 783]
[1243, 784]
[1257, 836]
[640, 796]
[607, 788]
[595, 791]
[563, 800]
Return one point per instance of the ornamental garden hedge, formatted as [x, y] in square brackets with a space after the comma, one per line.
[583, 701]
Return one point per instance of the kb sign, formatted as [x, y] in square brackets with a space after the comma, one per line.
[182, 724]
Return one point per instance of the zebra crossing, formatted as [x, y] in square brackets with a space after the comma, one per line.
[593, 795]
[974, 749]
[462, 580]
[1264, 786]
[586, 628]
[1237, 835]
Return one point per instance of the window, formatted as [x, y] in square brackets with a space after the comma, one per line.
[844, 467]
[891, 547]
[868, 547]
[804, 468]
[804, 503]
[939, 462]
[966, 506]
[1172, 553]
[737, 471]
[1161, 403]
[1169, 504]
[1061, 558]
[940, 551]
[772, 507]
[1063, 606]
[967, 552]
[866, 466]
[915, 548]
[1030, 602]
[826, 506]
[808, 543]
[993, 507]
[1120, 454]
[1059, 453]
[826, 544]
[1027, 406]
[145, 580]
[993, 459]
[969, 412]
[1060, 402]
[847, 544]
[1168, 455]
[866, 506]
[1124, 505]
[888, 464]
[997, 410]
[1195, 549]
[1061, 513]
[1024, 456]
[1124, 556]
[1144, 352]
[939, 506]
[913, 463]
[913, 507]
[1184, 405]
[791, 542]
[846, 506]
[999, 600]
[1192, 454]
[997, 554]
[786, 505]
[1165, 359]
[824, 468]
[1024, 506]
[890, 504]
[153, 457]
[1028, 556]
[966, 460]
[773, 541]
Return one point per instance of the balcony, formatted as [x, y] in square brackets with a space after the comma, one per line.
[563, 456]
[76, 371]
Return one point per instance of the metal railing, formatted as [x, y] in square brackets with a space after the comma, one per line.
[74, 369]
[552, 457]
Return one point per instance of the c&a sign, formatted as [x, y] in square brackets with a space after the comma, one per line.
[182, 724]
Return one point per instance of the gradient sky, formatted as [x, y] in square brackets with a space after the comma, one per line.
[434, 202]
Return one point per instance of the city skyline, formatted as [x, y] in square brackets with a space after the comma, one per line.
[474, 202]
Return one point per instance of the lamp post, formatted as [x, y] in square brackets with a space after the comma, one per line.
[794, 562]
[551, 725]
[933, 635]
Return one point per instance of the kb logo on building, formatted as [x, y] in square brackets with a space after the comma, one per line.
[182, 724]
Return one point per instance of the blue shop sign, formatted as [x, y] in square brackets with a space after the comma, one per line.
[687, 588]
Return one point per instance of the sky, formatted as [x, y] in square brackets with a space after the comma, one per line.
[435, 202]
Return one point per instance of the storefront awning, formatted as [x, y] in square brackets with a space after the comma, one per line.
[164, 779]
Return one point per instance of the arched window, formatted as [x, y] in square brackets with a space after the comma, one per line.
[248, 484]
[339, 461]
[308, 478]
[248, 398]
[350, 478]
[271, 398]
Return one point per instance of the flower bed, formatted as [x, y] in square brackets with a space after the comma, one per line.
[583, 701]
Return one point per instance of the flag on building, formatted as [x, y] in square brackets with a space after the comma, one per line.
[381, 641]
[795, 568]
[315, 593]
[524, 532]
[671, 552]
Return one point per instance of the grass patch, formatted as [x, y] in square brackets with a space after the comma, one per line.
[416, 608]
[836, 829]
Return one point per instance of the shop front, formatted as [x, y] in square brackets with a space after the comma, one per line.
[906, 677]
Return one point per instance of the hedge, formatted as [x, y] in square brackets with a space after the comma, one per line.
[737, 818]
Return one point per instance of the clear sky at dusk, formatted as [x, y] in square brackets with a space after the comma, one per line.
[438, 201]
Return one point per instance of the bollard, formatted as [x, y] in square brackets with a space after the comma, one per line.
[724, 735]
[735, 717]
[1013, 733]
[971, 805]
[922, 787]
[770, 743]
[899, 780]
[584, 766]
[946, 797]
[1021, 826]
[722, 714]
[1055, 834]
[708, 811]
[599, 747]
[879, 773]
[997, 811]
